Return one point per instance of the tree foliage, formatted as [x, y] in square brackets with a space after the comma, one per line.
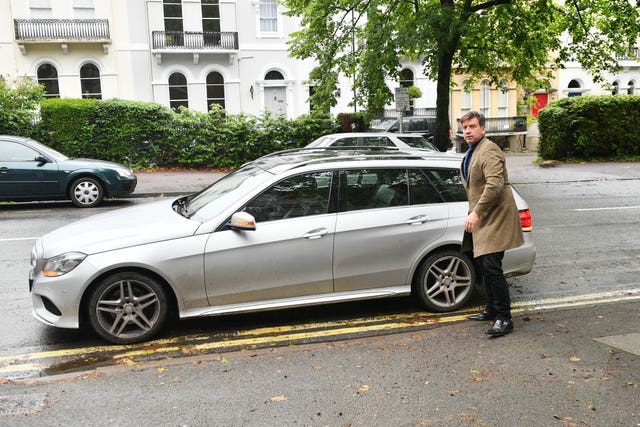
[18, 106]
[519, 40]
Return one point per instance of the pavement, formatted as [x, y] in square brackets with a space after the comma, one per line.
[575, 364]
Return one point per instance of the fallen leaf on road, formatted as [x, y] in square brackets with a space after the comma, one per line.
[574, 359]
[364, 387]
[280, 398]
[160, 370]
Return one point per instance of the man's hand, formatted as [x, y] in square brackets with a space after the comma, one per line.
[470, 222]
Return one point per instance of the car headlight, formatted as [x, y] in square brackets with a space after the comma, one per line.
[62, 264]
[124, 172]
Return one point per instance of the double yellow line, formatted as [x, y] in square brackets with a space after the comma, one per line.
[35, 364]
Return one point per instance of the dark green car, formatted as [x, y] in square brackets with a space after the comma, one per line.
[31, 171]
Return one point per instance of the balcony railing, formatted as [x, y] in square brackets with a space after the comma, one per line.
[61, 29]
[632, 55]
[502, 125]
[194, 40]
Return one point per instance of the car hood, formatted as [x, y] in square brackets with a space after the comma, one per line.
[74, 164]
[136, 225]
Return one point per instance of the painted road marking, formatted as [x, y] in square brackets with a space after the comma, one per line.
[18, 239]
[611, 208]
[33, 364]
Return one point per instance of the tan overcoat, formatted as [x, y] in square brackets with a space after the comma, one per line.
[489, 193]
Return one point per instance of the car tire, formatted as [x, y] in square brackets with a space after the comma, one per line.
[445, 281]
[86, 192]
[127, 307]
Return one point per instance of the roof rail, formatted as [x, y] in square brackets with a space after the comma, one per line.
[350, 148]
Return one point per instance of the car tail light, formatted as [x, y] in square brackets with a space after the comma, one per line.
[525, 220]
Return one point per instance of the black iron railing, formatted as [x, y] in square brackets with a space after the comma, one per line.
[632, 55]
[429, 112]
[194, 40]
[502, 125]
[61, 29]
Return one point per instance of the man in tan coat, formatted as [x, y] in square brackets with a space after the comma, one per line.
[493, 224]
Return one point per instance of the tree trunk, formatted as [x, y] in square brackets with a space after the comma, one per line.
[443, 93]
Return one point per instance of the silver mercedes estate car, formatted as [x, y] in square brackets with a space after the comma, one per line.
[294, 228]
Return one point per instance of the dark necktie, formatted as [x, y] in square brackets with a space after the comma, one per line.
[466, 161]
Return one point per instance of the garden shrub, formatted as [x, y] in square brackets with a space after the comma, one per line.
[590, 127]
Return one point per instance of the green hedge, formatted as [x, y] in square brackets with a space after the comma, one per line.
[590, 127]
[145, 135]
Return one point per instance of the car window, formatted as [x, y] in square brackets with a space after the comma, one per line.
[373, 188]
[417, 142]
[14, 152]
[346, 142]
[376, 141]
[447, 183]
[300, 195]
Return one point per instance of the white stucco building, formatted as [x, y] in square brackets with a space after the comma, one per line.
[199, 52]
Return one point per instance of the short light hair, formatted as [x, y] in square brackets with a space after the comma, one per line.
[473, 114]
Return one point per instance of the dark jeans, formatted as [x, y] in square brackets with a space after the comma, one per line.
[489, 267]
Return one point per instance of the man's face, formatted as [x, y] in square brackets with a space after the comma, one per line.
[472, 132]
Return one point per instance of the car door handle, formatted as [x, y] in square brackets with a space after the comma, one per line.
[420, 219]
[316, 234]
[4, 170]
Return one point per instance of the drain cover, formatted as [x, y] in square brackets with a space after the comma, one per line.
[25, 404]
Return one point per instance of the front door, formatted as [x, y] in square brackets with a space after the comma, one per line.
[542, 99]
[289, 254]
[275, 100]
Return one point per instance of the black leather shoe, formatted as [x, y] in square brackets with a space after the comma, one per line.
[500, 328]
[483, 316]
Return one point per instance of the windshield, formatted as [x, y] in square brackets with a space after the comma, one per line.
[385, 124]
[48, 151]
[320, 142]
[417, 142]
[208, 203]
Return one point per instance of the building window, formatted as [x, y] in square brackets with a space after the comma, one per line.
[465, 101]
[40, 9]
[503, 99]
[574, 88]
[178, 93]
[84, 9]
[268, 16]
[485, 98]
[48, 77]
[631, 87]
[615, 88]
[210, 16]
[274, 75]
[172, 15]
[215, 89]
[90, 81]
[406, 80]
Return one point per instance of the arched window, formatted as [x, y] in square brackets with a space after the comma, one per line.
[48, 77]
[90, 81]
[503, 99]
[465, 101]
[215, 89]
[406, 78]
[178, 93]
[485, 98]
[631, 87]
[574, 88]
[615, 88]
[274, 75]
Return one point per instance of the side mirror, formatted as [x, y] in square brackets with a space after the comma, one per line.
[242, 221]
[41, 159]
